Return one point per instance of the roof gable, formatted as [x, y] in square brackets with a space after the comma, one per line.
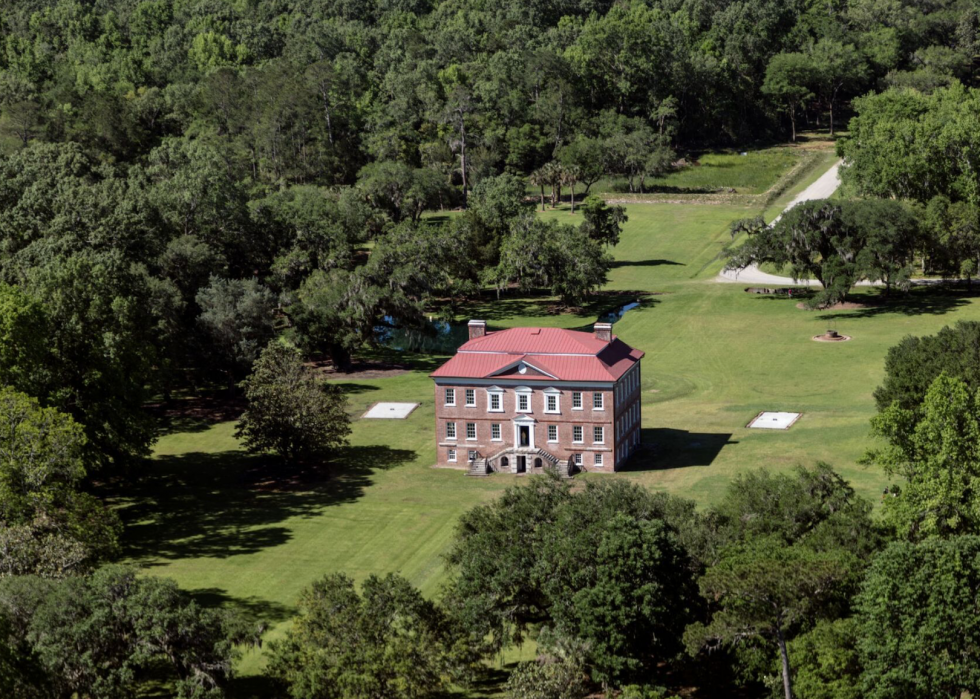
[546, 354]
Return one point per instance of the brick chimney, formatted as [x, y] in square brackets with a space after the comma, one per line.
[603, 331]
[478, 328]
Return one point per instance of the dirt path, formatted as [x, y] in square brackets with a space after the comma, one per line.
[822, 188]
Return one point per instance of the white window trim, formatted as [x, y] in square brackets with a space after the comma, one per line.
[550, 393]
[449, 392]
[601, 441]
[581, 400]
[455, 432]
[467, 428]
[602, 397]
[597, 459]
[451, 457]
[466, 402]
[500, 432]
[526, 393]
[499, 393]
[577, 459]
[581, 432]
[550, 440]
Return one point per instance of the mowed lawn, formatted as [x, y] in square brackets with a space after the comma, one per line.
[248, 532]
[752, 173]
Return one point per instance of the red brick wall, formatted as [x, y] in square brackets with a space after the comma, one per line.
[629, 437]
[563, 449]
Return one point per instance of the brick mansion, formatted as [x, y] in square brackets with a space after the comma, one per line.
[523, 399]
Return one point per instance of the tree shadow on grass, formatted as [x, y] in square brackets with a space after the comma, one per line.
[489, 682]
[196, 413]
[670, 448]
[646, 263]
[923, 301]
[352, 388]
[227, 504]
[252, 609]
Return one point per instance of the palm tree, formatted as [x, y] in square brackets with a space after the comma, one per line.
[570, 175]
[539, 178]
[553, 173]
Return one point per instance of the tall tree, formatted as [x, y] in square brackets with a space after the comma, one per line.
[386, 642]
[838, 69]
[237, 318]
[915, 363]
[788, 80]
[935, 450]
[48, 527]
[108, 633]
[766, 589]
[916, 627]
[290, 410]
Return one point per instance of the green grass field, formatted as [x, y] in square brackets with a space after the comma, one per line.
[250, 533]
[752, 173]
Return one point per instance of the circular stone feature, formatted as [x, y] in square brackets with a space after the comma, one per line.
[831, 336]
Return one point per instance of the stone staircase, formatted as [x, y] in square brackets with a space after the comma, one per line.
[479, 467]
[491, 464]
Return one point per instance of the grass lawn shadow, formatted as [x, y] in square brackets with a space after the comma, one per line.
[671, 448]
[253, 609]
[229, 503]
[646, 263]
[921, 301]
[196, 413]
[352, 388]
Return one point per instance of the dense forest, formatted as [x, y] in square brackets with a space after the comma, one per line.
[182, 181]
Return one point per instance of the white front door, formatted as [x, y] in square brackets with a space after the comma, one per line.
[524, 433]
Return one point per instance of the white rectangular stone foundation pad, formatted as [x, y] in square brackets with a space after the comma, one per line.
[390, 411]
[774, 421]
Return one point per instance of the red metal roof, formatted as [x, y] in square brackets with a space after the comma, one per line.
[566, 355]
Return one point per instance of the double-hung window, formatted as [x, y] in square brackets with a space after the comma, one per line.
[551, 403]
[598, 434]
[450, 430]
[576, 400]
[471, 430]
[577, 434]
[470, 397]
[597, 403]
[451, 455]
[552, 433]
[598, 458]
[496, 401]
[524, 401]
[450, 396]
[495, 431]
